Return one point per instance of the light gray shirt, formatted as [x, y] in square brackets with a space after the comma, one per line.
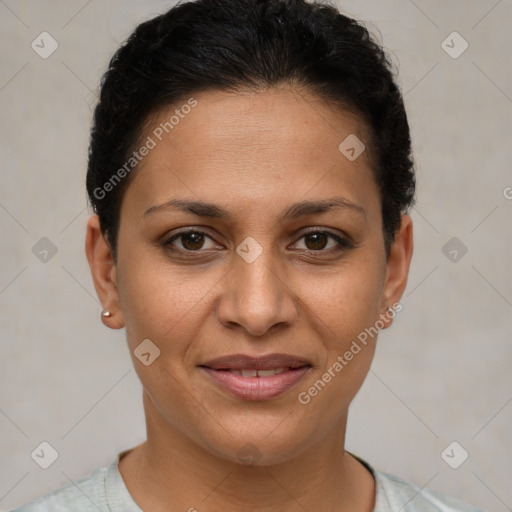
[104, 490]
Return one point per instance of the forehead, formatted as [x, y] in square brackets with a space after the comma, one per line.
[255, 120]
[251, 144]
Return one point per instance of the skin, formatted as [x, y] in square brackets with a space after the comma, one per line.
[253, 154]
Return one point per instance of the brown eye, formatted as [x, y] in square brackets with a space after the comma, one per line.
[192, 240]
[319, 241]
[316, 241]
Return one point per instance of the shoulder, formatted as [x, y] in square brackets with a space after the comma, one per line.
[399, 494]
[85, 494]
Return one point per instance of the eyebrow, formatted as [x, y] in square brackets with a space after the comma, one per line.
[303, 208]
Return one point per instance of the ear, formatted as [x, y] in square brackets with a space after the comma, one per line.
[103, 271]
[397, 271]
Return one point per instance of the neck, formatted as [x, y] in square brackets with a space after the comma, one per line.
[170, 468]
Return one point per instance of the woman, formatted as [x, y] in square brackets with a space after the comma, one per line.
[250, 170]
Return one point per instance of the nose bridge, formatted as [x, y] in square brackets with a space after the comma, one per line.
[256, 296]
[259, 278]
[259, 288]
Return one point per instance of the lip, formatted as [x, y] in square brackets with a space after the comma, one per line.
[256, 388]
[246, 362]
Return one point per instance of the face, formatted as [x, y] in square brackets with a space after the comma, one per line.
[247, 233]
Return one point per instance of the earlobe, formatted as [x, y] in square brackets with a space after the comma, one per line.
[397, 270]
[103, 272]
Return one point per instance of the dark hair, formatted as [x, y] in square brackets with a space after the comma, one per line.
[231, 45]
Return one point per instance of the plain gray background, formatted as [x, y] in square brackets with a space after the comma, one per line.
[441, 373]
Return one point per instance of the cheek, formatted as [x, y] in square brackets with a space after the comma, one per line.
[348, 300]
[162, 305]
[167, 304]
[346, 308]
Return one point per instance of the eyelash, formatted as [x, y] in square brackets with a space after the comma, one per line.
[343, 244]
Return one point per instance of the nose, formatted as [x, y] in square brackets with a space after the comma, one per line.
[257, 298]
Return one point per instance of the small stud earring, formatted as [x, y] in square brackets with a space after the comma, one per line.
[106, 314]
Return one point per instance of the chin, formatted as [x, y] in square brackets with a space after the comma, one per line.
[258, 448]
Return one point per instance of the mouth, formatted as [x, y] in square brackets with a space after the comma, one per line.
[256, 378]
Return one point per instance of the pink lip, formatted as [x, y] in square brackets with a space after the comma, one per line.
[257, 388]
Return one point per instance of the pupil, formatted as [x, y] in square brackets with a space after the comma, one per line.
[196, 240]
[319, 240]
